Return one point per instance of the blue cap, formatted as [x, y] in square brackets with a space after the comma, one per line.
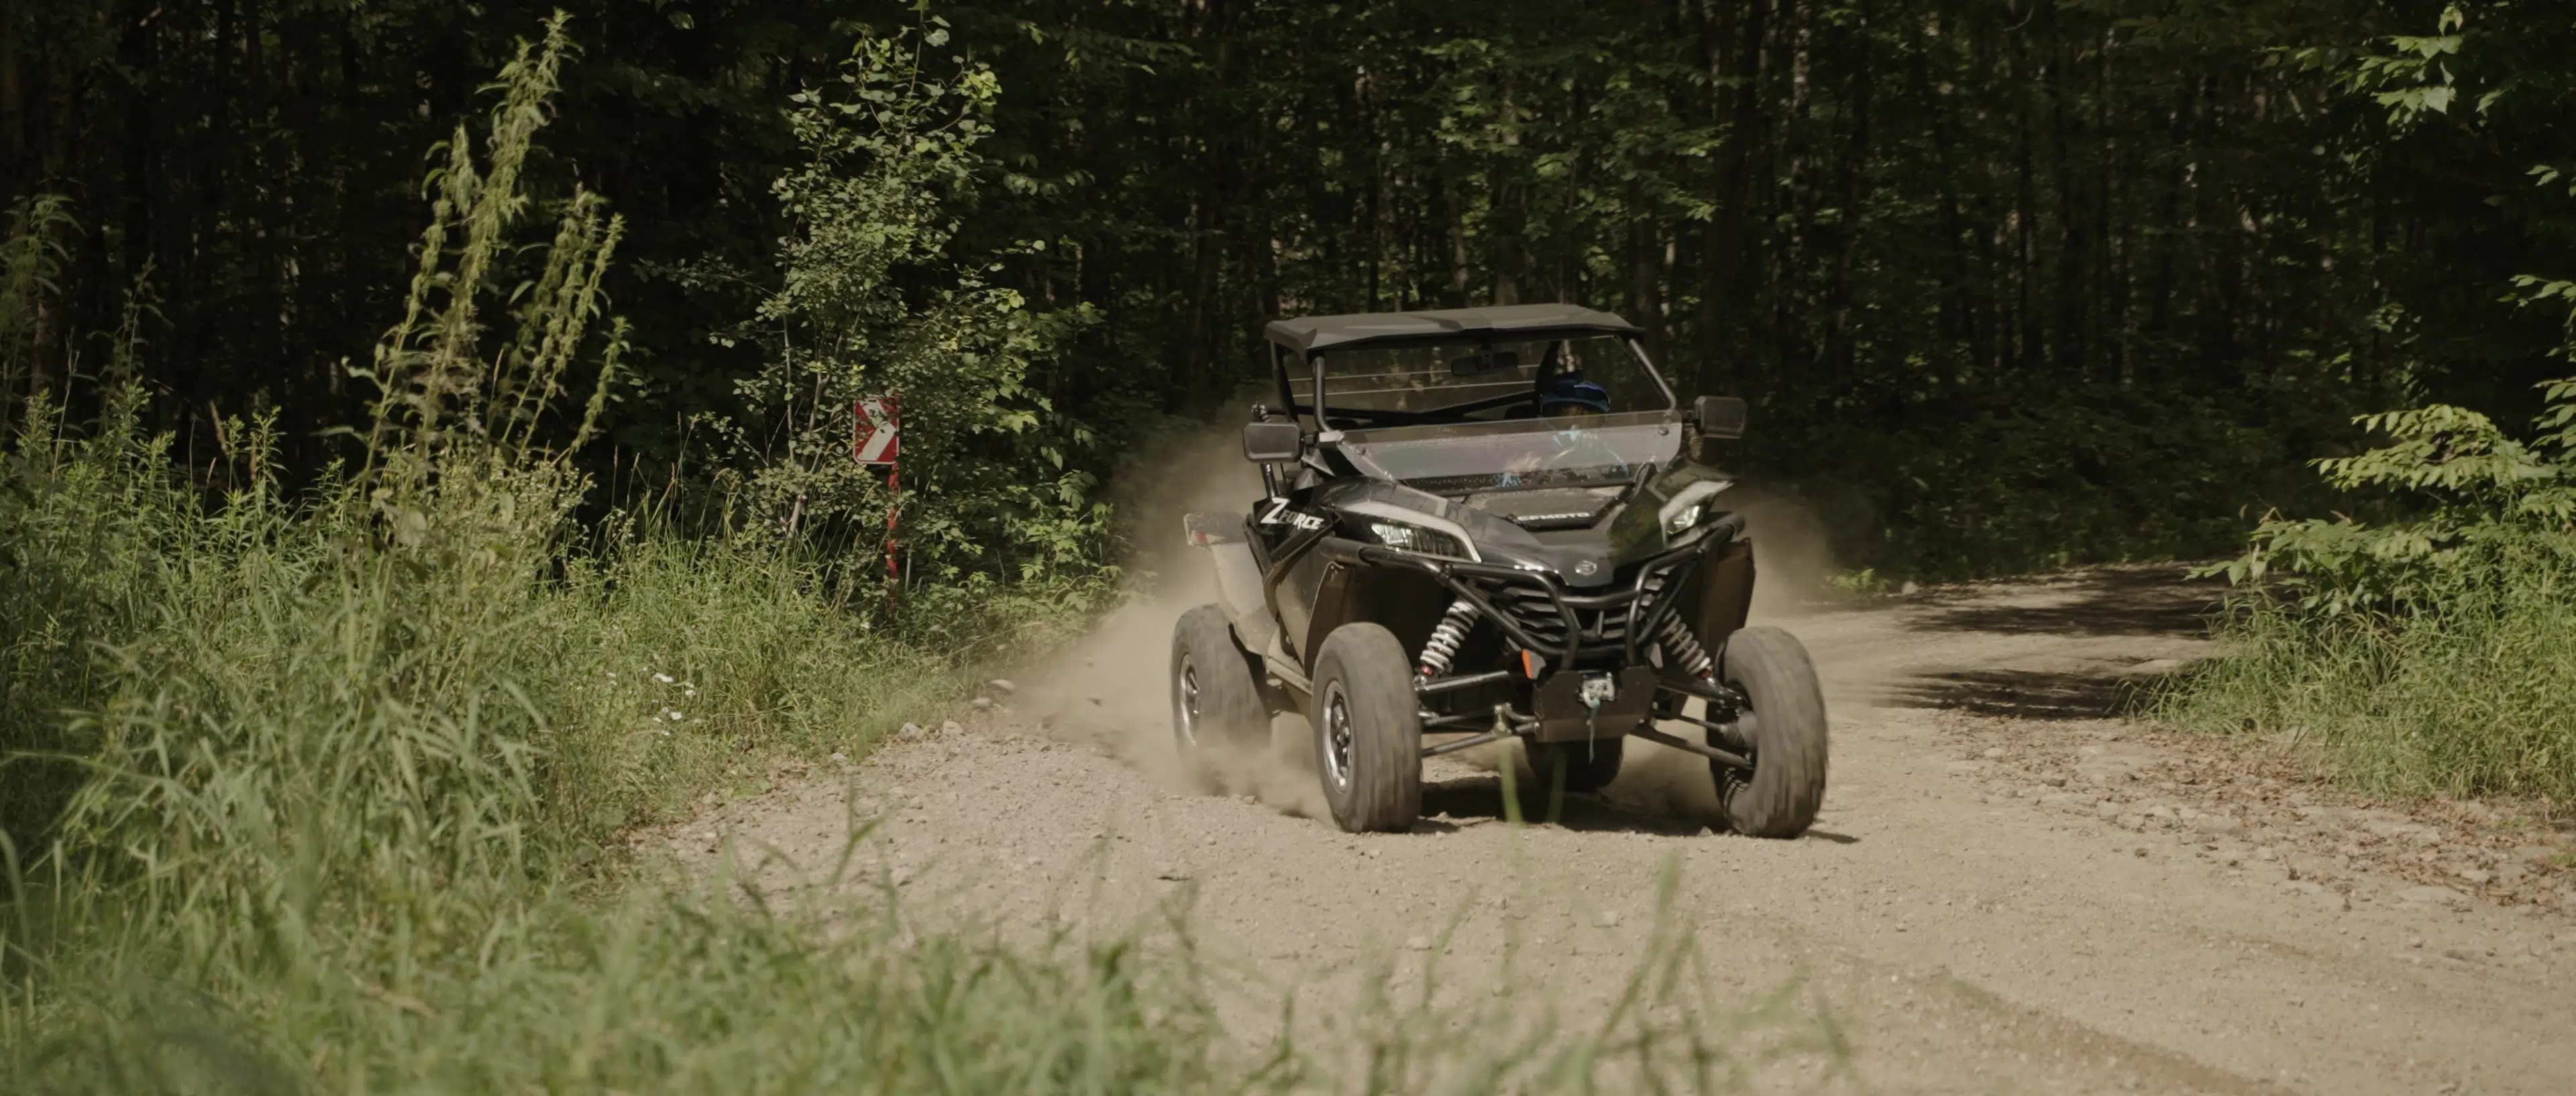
[1565, 388]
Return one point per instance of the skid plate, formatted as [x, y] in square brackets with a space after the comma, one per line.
[1564, 717]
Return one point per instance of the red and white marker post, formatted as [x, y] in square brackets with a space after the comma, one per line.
[876, 442]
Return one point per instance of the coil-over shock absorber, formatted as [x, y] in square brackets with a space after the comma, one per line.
[1442, 647]
[1682, 649]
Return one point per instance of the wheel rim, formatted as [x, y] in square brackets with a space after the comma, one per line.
[1186, 702]
[1337, 736]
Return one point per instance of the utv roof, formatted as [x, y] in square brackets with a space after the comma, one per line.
[1307, 334]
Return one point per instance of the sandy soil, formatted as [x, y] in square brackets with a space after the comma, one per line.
[2009, 890]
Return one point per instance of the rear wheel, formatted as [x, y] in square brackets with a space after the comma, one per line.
[1589, 766]
[1368, 731]
[1216, 704]
[1783, 733]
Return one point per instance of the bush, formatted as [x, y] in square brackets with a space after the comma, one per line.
[872, 303]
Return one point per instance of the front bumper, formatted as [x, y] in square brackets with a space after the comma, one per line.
[1537, 612]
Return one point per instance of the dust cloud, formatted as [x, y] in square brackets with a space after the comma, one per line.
[1792, 551]
[1113, 688]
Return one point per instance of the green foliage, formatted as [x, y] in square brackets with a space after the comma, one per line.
[1861, 583]
[31, 266]
[81, 522]
[2482, 496]
[442, 396]
[2413, 79]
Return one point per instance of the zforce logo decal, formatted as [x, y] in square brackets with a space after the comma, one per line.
[1278, 515]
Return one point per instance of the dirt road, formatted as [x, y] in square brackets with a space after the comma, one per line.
[2008, 891]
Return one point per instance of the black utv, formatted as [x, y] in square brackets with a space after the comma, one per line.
[1487, 525]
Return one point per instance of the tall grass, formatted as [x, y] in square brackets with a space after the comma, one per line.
[2467, 699]
[2434, 655]
[320, 793]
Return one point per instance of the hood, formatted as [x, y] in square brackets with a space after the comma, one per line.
[1545, 529]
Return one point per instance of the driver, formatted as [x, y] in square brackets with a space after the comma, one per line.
[1570, 394]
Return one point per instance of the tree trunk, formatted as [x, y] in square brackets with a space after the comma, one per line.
[1645, 273]
[1790, 312]
[1839, 348]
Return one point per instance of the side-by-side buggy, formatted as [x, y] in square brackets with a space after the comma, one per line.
[1493, 525]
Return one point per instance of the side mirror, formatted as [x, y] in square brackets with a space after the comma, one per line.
[1272, 442]
[1720, 416]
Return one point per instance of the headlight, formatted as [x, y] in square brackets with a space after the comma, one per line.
[1414, 538]
[1685, 512]
[1685, 520]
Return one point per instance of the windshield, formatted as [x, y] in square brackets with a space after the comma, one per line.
[1453, 460]
[1463, 382]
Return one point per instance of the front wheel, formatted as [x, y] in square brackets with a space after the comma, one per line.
[1782, 731]
[1368, 731]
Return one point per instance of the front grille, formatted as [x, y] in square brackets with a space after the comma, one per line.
[1526, 601]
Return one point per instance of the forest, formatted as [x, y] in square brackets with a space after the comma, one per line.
[2010, 284]
[428, 459]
